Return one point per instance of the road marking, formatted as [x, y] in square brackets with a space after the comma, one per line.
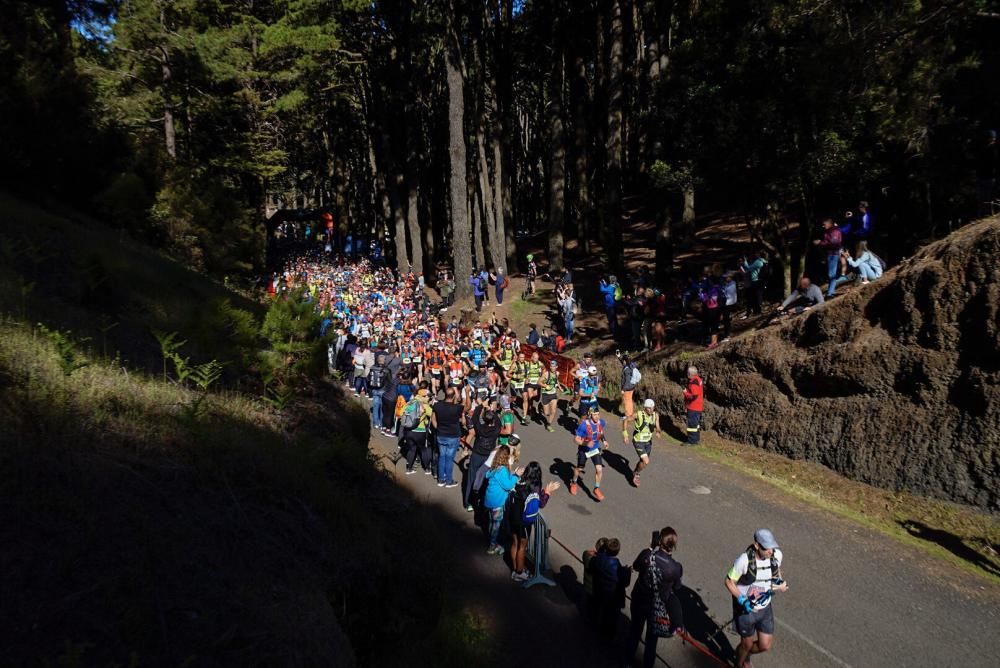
[822, 650]
[700, 489]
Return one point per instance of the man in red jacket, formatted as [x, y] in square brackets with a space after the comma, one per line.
[694, 402]
[831, 242]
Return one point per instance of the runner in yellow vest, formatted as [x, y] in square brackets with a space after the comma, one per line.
[533, 388]
[645, 425]
[550, 395]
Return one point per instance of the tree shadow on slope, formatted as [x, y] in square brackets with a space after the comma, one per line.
[953, 544]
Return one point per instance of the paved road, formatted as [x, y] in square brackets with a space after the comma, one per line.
[856, 598]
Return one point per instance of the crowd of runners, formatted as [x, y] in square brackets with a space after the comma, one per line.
[452, 396]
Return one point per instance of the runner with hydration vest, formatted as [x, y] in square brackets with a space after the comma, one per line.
[590, 440]
[646, 424]
[755, 575]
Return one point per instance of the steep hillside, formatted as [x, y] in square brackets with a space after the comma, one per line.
[145, 522]
[896, 384]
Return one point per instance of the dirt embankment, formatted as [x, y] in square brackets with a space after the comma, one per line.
[896, 384]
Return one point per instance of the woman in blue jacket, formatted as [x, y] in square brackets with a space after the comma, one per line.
[499, 481]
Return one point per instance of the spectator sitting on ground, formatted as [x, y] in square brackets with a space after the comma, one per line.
[802, 299]
[865, 262]
[533, 337]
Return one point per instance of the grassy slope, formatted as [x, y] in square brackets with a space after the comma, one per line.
[141, 520]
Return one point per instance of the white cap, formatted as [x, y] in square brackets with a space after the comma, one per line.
[649, 403]
[593, 370]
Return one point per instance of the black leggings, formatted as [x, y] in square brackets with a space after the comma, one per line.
[640, 619]
[414, 441]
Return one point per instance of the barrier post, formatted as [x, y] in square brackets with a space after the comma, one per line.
[538, 553]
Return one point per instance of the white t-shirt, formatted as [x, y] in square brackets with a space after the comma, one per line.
[763, 581]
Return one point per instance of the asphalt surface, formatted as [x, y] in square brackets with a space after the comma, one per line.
[856, 597]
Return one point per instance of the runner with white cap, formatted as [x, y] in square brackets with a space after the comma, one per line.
[751, 581]
[645, 425]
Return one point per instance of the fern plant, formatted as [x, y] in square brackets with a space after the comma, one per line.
[68, 358]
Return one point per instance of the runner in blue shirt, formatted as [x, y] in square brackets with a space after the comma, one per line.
[590, 439]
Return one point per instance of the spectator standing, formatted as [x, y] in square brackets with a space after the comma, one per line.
[630, 378]
[478, 290]
[730, 297]
[415, 438]
[610, 580]
[502, 283]
[448, 418]
[499, 480]
[694, 404]
[481, 439]
[609, 291]
[654, 598]
[754, 272]
[527, 499]
[378, 378]
[831, 242]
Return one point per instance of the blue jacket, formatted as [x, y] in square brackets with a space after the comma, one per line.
[477, 286]
[499, 482]
[608, 290]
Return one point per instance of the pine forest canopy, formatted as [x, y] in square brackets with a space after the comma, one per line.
[453, 128]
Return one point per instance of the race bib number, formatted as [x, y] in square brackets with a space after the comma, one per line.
[592, 453]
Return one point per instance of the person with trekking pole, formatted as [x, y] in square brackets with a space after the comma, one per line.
[755, 575]
[655, 605]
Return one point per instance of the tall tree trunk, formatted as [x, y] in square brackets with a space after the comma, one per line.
[557, 143]
[398, 201]
[581, 138]
[458, 188]
[498, 235]
[613, 187]
[413, 224]
[664, 242]
[688, 215]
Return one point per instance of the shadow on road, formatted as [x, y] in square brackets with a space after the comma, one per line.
[702, 627]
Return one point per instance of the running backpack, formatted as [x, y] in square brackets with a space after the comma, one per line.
[376, 378]
[750, 576]
[618, 293]
[411, 415]
[590, 431]
[636, 376]
[505, 283]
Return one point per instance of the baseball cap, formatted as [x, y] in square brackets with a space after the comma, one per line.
[765, 539]
[649, 403]
[504, 401]
[554, 363]
[592, 370]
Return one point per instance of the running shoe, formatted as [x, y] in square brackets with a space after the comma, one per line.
[440, 484]
[573, 488]
[519, 577]
[451, 485]
[598, 494]
[427, 471]
[410, 471]
[468, 509]
[549, 428]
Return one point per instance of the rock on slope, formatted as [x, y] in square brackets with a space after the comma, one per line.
[896, 384]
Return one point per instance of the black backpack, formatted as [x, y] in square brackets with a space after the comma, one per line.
[377, 377]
